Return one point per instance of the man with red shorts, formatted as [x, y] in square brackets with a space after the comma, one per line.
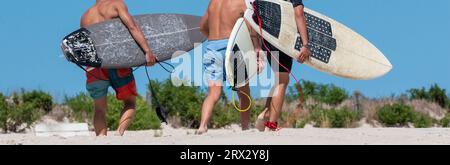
[121, 80]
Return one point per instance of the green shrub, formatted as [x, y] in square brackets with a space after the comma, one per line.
[324, 93]
[395, 115]
[182, 102]
[334, 95]
[434, 93]
[301, 123]
[418, 93]
[224, 115]
[445, 122]
[401, 115]
[342, 118]
[334, 118]
[3, 113]
[319, 117]
[422, 121]
[17, 117]
[39, 100]
[82, 106]
[22, 116]
[146, 117]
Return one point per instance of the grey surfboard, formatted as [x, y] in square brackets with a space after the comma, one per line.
[110, 45]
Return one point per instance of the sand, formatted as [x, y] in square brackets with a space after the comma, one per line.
[233, 135]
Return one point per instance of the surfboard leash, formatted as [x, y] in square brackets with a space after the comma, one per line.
[161, 111]
[299, 88]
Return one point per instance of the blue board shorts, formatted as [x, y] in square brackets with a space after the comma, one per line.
[214, 62]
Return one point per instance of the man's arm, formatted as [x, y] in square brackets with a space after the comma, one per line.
[302, 29]
[135, 31]
[256, 40]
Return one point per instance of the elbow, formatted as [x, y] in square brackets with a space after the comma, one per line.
[299, 13]
[203, 29]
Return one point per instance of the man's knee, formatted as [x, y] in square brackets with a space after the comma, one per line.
[283, 79]
[130, 102]
[214, 93]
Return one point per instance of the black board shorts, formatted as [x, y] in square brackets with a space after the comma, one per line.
[283, 58]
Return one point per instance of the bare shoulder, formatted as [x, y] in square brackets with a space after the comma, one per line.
[118, 4]
[241, 6]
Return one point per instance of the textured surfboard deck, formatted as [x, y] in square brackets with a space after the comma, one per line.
[110, 45]
[336, 49]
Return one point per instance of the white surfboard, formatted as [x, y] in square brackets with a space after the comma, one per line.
[240, 57]
[335, 48]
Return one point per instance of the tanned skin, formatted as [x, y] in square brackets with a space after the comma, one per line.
[217, 24]
[104, 10]
[274, 104]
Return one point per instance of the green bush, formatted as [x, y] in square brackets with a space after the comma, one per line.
[334, 118]
[329, 93]
[434, 93]
[17, 117]
[39, 100]
[82, 107]
[342, 118]
[301, 123]
[224, 115]
[182, 102]
[422, 121]
[401, 115]
[334, 95]
[445, 122]
[144, 119]
[395, 115]
[22, 116]
[3, 113]
[438, 95]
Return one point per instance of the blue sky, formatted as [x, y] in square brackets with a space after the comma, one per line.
[413, 34]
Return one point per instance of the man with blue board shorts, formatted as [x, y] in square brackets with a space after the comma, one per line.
[122, 80]
[217, 24]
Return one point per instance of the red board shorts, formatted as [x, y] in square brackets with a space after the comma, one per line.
[121, 80]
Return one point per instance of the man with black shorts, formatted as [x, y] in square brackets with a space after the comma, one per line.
[267, 120]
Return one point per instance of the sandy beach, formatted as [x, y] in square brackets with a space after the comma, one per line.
[234, 136]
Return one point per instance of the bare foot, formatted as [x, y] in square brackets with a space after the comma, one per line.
[263, 116]
[201, 131]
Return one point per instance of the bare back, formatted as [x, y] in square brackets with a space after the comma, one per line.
[101, 11]
[222, 15]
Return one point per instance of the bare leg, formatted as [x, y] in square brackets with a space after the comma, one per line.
[214, 92]
[277, 99]
[127, 115]
[100, 127]
[244, 101]
[263, 116]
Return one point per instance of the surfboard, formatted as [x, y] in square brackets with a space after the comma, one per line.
[110, 45]
[240, 57]
[335, 48]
